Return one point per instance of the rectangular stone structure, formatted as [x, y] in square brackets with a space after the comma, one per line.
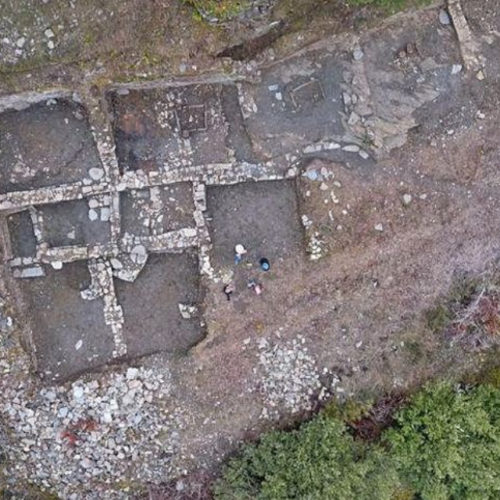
[21, 234]
[296, 103]
[73, 223]
[172, 127]
[66, 154]
[152, 305]
[69, 333]
[262, 216]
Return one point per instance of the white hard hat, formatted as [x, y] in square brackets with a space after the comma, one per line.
[240, 249]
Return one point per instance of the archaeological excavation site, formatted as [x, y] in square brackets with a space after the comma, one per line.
[220, 221]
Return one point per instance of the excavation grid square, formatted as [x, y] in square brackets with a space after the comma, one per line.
[69, 333]
[152, 305]
[291, 110]
[47, 144]
[22, 236]
[262, 216]
[158, 129]
[157, 210]
[72, 223]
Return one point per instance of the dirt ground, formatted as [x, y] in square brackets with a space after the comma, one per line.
[63, 156]
[100, 42]
[395, 142]
[63, 319]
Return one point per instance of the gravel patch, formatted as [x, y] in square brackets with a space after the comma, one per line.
[287, 376]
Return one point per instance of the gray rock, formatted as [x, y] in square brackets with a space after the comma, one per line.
[312, 175]
[6, 323]
[444, 17]
[407, 199]
[353, 119]
[358, 54]
[63, 412]
[116, 264]
[50, 395]
[105, 214]
[139, 254]
[32, 272]
[132, 373]
[96, 173]
[78, 392]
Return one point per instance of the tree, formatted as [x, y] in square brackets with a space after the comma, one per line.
[318, 461]
[446, 442]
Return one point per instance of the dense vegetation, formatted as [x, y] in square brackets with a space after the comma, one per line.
[443, 444]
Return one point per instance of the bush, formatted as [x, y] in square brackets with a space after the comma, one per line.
[438, 318]
[320, 460]
[445, 444]
[490, 376]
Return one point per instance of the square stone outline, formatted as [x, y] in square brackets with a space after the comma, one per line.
[294, 92]
[185, 132]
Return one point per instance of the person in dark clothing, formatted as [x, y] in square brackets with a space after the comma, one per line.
[264, 263]
[228, 290]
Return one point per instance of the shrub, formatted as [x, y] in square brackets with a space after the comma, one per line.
[320, 460]
[438, 318]
[446, 443]
[490, 376]
[347, 411]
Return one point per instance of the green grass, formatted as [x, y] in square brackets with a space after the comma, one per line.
[347, 411]
[438, 318]
[221, 10]
[389, 5]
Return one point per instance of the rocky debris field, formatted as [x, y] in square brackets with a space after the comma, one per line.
[291, 377]
[94, 431]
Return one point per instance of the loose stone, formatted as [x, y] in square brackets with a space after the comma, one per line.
[407, 198]
[444, 17]
[96, 173]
